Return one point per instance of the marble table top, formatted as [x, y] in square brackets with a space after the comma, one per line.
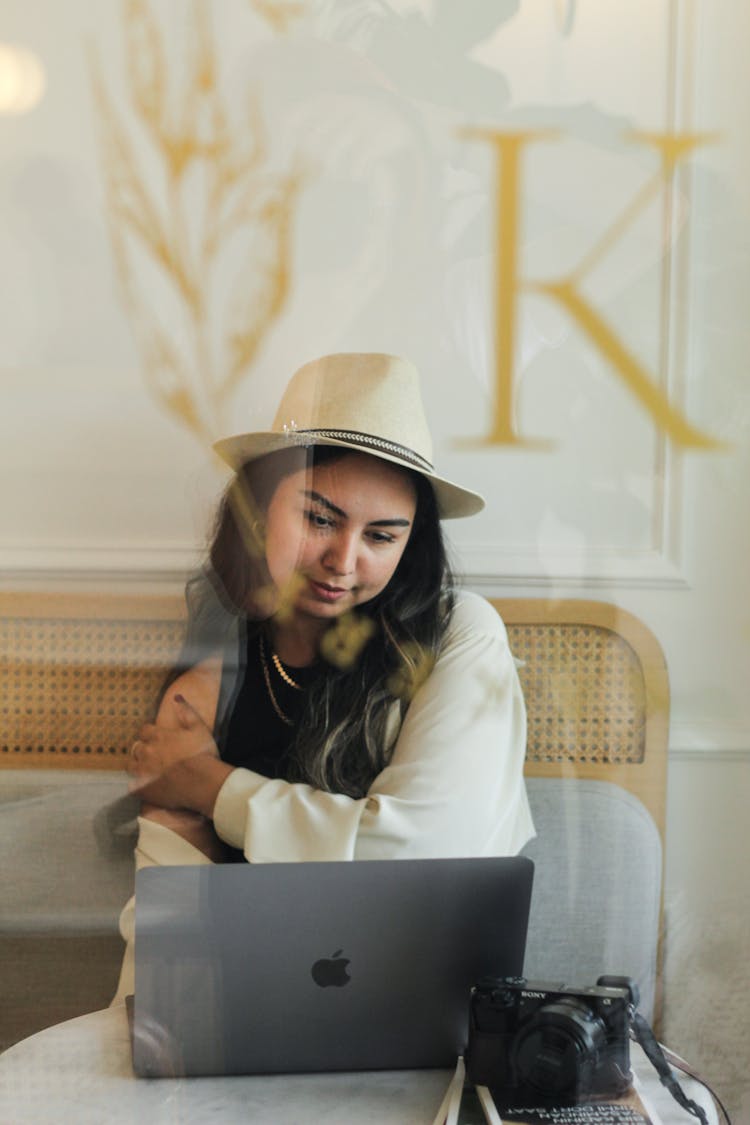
[81, 1071]
[84, 1066]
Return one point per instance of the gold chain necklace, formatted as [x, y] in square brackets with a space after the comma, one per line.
[283, 673]
[267, 677]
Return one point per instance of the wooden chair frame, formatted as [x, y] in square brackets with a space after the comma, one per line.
[643, 774]
[67, 661]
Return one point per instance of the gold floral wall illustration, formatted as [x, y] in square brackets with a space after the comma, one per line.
[200, 215]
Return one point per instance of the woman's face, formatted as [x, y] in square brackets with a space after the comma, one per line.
[335, 533]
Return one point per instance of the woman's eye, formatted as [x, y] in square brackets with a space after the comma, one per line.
[381, 537]
[318, 520]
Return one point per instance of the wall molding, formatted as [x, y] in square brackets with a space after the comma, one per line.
[119, 576]
[502, 566]
[58, 566]
[708, 737]
[662, 563]
[481, 566]
[720, 757]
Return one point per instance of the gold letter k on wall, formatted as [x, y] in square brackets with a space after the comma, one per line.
[508, 285]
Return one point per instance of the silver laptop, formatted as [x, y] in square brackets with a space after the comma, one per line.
[284, 968]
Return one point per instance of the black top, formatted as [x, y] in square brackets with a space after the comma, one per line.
[253, 734]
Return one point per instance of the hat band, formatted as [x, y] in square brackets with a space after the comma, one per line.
[354, 437]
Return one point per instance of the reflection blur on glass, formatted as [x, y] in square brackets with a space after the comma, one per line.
[22, 80]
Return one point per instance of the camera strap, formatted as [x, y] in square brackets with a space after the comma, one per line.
[450, 1107]
[652, 1048]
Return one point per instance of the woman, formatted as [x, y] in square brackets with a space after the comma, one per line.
[339, 700]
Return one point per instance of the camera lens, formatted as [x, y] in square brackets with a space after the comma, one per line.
[558, 1047]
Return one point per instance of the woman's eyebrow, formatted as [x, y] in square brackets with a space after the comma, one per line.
[397, 522]
[326, 503]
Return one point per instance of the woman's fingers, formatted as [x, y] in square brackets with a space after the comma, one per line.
[158, 747]
[137, 766]
[132, 763]
[187, 715]
[144, 761]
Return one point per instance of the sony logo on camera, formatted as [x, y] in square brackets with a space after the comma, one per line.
[543, 1043]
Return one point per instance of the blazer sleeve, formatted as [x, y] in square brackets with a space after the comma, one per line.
[454, 785]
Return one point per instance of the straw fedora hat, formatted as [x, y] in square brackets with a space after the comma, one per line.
[366, 402]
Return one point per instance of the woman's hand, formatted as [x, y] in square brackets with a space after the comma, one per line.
[161, 749]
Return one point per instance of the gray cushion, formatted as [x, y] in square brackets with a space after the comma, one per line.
[597, 885]
[62, 886]
[56, 874]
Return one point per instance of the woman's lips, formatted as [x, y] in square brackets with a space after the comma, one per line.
[325, 592]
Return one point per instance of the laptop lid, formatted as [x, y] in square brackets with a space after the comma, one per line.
[283, 968]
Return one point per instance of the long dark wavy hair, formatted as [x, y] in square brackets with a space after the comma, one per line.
[340, 741]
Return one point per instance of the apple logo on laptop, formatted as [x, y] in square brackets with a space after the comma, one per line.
[330, 972]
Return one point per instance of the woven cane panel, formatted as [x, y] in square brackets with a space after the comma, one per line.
[585, 693]
[74, 688]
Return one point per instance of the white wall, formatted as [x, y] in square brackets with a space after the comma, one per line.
[707, 899]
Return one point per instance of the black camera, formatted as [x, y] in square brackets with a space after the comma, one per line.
[539, 1044]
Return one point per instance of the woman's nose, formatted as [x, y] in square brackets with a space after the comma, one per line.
[341, 554]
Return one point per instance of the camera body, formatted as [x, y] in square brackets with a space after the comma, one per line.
[539, 1043]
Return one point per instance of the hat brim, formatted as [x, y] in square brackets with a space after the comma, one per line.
[453, 501]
